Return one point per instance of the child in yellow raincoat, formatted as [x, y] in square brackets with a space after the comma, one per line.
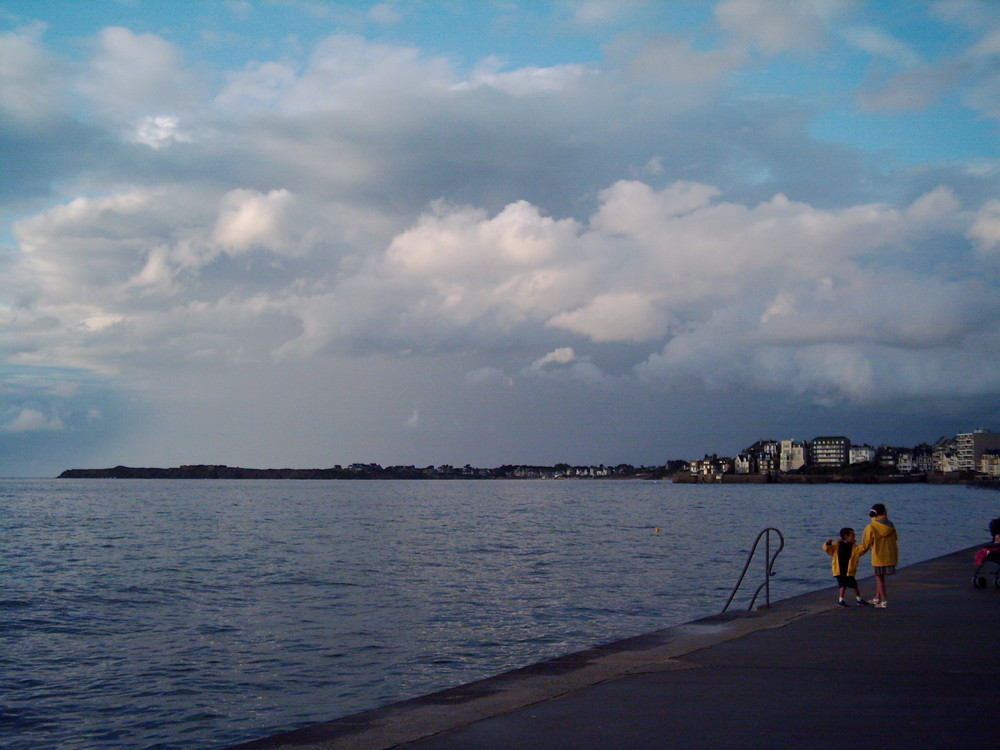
[845, 563]
[881, 538]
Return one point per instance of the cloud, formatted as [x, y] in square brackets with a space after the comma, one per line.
[563, 364]
[30, 420]
[30, 77]
[563, 356]
[159, 132]
[678, 61]
[414, 420]
[983, 76]
[342, 72]
[374, 205]
[487, 376]
[386, 14]
[970, 68]
[880, 44]
[259, 86]
[249, 219]
[774, 26]
[525, 80]
[138, 74]
[711, 290]
[89, 248]
[914, 88]
[137, 85]
[985, 230]
[601, 12]
[630, 204]
[621, 316]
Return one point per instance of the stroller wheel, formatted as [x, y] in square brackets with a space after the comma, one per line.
[996, 582]
[979, 582]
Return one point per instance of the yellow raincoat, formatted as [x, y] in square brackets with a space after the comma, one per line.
[852, 566]
[880, 537]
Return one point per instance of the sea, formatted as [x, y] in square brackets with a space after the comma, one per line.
[186, 614]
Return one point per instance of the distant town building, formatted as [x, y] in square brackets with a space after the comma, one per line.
[830, 451]
[945, 456]
[743, 463]
[923, 458]
[887, 457]
[712, 465]
[970, 446]
[975, 451]
[792, 455]
[989, 463]
[760, 458]
[861, 454]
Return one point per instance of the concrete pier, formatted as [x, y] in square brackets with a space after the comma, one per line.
[922, 673]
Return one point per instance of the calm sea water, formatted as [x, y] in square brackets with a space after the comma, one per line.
[196, 614]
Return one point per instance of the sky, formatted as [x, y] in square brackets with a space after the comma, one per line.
[287, 233]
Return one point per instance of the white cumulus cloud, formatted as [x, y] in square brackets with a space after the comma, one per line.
[31, 420]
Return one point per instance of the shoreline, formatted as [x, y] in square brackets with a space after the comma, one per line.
[373, 472]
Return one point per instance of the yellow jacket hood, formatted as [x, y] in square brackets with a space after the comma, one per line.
[882, 526]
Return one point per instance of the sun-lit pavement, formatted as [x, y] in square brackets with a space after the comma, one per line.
[923, 673]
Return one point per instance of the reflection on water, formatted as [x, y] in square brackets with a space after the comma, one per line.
[193, 614]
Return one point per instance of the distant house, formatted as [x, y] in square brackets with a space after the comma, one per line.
[832, 451]
[743, 463]
[861, 454]
[712, 465]
[792, 455]
[945, 456]
[887, 457]
[923, 458]
[989, 463]
[759, 458]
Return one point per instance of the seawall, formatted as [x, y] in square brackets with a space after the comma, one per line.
[796, 674]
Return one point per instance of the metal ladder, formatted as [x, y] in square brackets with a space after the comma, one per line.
[768, 567]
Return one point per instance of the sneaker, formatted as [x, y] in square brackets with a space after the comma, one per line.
[842, 603]
[882, 604]
[862, 602]
[876, 602]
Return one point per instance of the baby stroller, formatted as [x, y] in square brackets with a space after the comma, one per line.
[988, 554]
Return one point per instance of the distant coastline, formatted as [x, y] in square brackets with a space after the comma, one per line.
[373, 471]
[559, 471]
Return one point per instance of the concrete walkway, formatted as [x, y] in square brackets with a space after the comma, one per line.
[923, 673]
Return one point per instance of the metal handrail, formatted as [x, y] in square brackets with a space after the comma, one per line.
[768, 566]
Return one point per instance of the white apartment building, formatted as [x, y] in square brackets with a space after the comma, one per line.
[970, 446]
[792, 455]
